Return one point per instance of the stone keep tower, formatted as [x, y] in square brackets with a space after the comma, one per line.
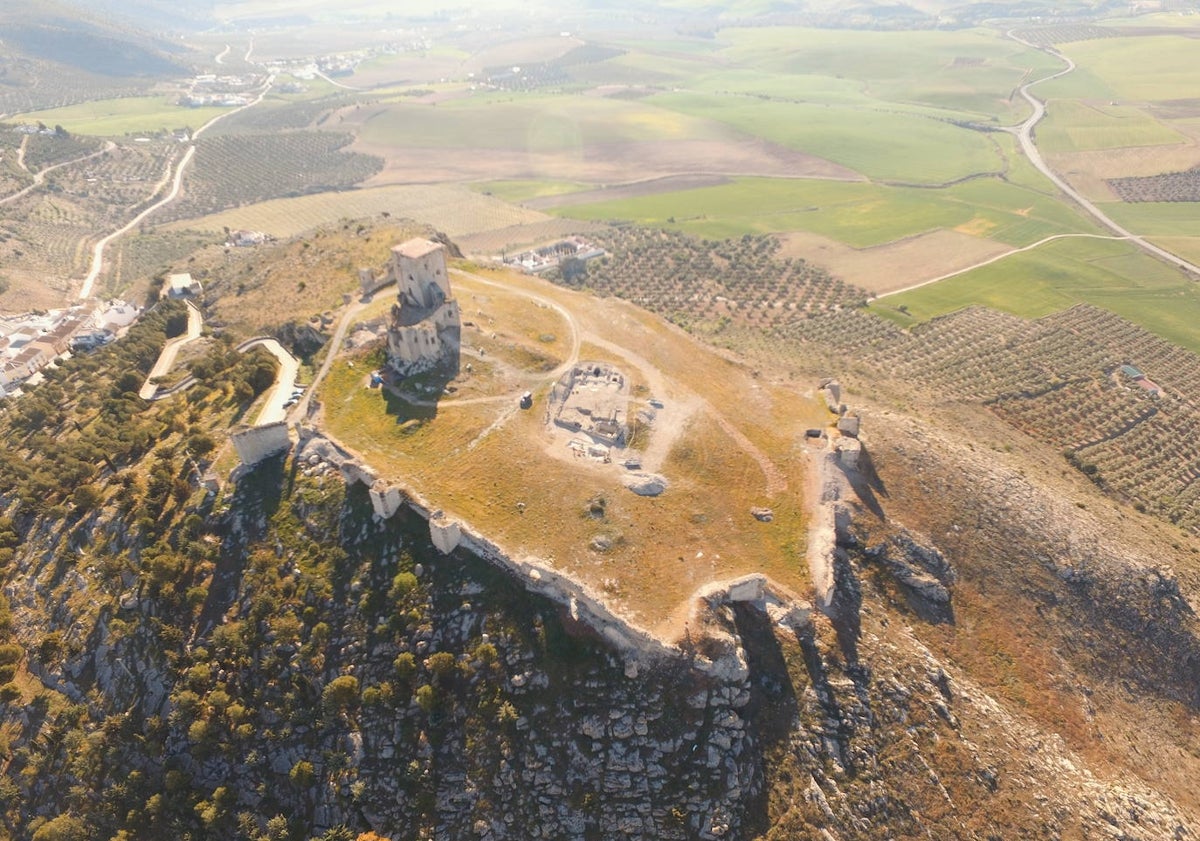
[426, 325]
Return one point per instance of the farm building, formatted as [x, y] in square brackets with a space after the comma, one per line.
[1141, 380]
[181, 286]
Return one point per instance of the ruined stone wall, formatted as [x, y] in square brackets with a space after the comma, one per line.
[636, 645]
[415, 348]
[261, 442]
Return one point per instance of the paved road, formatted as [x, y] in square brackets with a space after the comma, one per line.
[338, 84]
[220, 57]
[166, 358]
[1029, 147]
[273, 409]
[85, 291]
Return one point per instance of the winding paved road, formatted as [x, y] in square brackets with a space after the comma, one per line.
[1029, 147]
[166, 358]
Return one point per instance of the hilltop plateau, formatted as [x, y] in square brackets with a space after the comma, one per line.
[737, 422]
[258, 652]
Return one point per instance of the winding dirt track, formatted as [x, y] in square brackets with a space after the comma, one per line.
[39, 177]
[85, 291]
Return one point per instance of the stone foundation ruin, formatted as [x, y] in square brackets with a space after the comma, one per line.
[592, 399]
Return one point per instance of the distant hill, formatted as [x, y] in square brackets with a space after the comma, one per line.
[153, 15]
[59, 53]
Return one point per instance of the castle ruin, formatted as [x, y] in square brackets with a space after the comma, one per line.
[426, 327]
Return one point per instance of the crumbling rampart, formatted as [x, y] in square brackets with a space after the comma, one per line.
[637, 645]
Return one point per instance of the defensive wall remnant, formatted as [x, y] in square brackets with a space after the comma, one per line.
[261, 442]
[636, 645]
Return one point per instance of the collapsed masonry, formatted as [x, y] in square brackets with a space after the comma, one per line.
[846, 443]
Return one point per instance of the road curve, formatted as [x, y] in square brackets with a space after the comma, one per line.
[40, 176]
[166, 357]
[85, 291]
[338, 84]
[1025, 137]
[273, 409]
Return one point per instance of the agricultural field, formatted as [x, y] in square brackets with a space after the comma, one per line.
[47, 234]
[708, 287]
[881, 144]
[1076, 126]
[858, 215]
[282, 113]
[519, 191]
[577, 138]
[970, 72]
[145, 115]
[1066, 33]
[136, 258]
[1057, 379]
[1169, 187]
[495, 242]
[43, 151]
[409, 68]
[457, 210]
[1157, 219]
[537, 123]
[1107, 273]
[240, 169]
[896, 265]
[32, 85]
[1152, 68]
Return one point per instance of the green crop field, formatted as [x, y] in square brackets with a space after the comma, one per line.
[536, 123]
[857, 214]
[969, 71]
[132, 115]
[1150, 68]
[1157, 219]
[1107, 273]
[881, 144]
[522, 190]
[1075, 126]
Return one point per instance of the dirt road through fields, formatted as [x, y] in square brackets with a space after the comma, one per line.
[1024, 134]
[40, 177]
[85, 291]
